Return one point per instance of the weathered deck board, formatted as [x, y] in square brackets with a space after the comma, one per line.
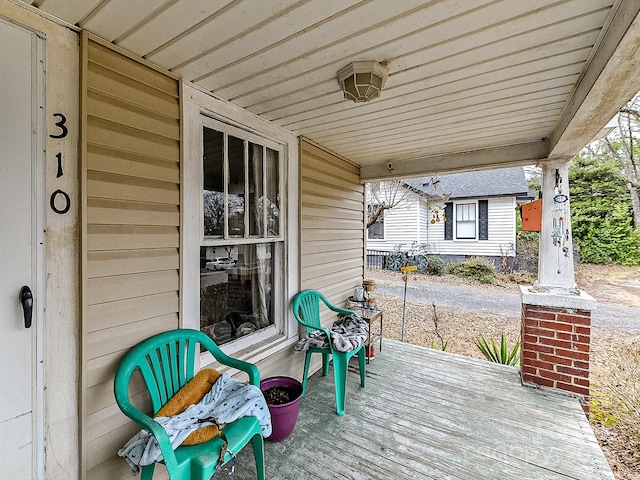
[425, 414]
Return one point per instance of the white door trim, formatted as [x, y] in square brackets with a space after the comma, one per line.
[37, 233]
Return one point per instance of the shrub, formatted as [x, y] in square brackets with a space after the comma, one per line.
[475, 268]
[612, 240]
[435, 265]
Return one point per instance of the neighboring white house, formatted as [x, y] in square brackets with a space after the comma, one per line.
[456, 215]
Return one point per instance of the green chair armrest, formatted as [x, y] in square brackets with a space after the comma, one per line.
[249, 368]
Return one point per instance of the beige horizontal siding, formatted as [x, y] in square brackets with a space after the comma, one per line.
[331, 224]
[115, 84]
[130, 310]
[114, 110]
[101, 211]
[117, 187]
[123, 137]
[140, 74]
[126, 237]
[112, 263]
[111, 160]
[130, 236]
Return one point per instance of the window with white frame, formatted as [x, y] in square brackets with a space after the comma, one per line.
[466, 220]
[242, 247]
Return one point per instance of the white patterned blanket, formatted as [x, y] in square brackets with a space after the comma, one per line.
[228, 400]
[347, 334]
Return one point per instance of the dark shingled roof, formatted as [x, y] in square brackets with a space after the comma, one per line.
[500, 182]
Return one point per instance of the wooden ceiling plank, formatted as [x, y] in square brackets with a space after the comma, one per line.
[458, 96]
[426, 120]
[71, 11]
[248, 21]
[315, 113]
[454, 121]
[169, 24]
[335, 42]
[117, 16]
[460, 36]
[450, 83]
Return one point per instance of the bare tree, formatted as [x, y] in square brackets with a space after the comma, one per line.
[624, 145]
[385, 195]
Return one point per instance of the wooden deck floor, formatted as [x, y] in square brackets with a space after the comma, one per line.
[425, 414]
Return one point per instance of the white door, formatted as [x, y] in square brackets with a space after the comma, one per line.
[19, 252]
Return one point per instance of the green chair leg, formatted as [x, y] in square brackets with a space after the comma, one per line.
[305, 374]
[340, 378]
[147, 472]
[258, 453]
[325, 364]
[362, 365]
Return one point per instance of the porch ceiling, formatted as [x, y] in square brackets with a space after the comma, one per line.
[472, 83]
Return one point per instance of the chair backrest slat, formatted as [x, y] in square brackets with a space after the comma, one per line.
[190, 346]
[306, 308]
[174, 375]
[148, 371]
[166, 370]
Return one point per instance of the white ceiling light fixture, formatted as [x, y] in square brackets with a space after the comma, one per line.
[362, 81]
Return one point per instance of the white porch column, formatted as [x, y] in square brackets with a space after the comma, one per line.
[556, 316]
[555, 258]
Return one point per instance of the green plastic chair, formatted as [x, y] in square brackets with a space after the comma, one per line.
[306, 309]
[167, 362]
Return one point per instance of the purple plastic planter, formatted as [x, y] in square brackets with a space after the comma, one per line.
[284, 416]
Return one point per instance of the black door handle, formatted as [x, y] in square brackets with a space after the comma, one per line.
[26, 299]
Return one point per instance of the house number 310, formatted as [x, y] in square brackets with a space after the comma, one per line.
[60, 201]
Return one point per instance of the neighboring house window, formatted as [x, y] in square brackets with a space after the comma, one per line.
[376, 231]
[241, 251]
[466, 226]
[466, 220]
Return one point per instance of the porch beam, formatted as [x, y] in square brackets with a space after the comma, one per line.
[612, 78]
[497, 157]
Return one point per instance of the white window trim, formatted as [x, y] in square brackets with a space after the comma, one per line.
[208, 121]
[198, 111]
[455, 221]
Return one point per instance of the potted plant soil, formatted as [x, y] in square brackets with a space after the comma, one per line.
[283, 395]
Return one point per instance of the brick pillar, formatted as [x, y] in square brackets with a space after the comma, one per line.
[555, 342]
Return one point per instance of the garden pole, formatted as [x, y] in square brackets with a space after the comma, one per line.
[405, 277]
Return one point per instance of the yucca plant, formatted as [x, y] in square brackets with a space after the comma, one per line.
[499, 354]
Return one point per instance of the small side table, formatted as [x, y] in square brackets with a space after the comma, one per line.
[371, 316]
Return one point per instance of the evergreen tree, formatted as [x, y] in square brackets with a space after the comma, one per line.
[601, 212]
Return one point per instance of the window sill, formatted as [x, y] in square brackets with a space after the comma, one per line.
[254, 353]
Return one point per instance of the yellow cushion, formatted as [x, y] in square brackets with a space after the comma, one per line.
[192, 393]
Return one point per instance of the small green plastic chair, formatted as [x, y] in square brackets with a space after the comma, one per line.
[167, 362]
[306, 309]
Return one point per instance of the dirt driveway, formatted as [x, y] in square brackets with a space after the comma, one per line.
[610, 284]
